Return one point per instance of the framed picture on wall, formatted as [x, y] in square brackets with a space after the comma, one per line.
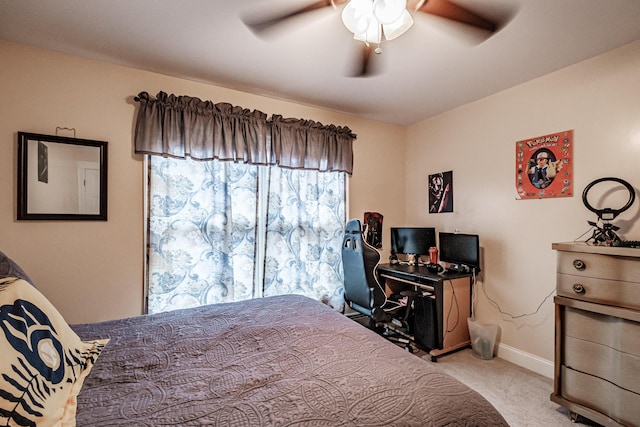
[441, 192]
[61, 178]
[373, 222]
[544, 166]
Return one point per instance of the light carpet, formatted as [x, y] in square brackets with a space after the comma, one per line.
[520, 395]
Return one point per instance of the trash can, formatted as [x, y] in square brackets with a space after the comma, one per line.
[483, 338]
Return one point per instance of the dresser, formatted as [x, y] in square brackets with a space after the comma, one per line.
[597, 333]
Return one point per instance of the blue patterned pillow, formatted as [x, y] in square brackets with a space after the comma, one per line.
[43, 363]
[8, 268]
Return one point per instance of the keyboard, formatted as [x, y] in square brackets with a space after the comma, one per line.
[627, 244]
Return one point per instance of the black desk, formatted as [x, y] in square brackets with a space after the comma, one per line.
[452, 292]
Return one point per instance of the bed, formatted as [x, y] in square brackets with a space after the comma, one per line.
[277, 361]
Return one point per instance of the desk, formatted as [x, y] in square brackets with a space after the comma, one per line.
[452, 296]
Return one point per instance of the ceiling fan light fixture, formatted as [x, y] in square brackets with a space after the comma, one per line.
[388, 11]
[398, 27]
[357, 15]
[372, 34]
[369, 19]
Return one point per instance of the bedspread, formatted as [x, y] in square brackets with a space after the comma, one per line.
[277, 361]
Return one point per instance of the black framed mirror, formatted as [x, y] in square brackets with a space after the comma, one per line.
[61, 178]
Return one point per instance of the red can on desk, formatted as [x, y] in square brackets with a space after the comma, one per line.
[433, 255]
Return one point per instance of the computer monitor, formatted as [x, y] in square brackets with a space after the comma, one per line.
[412, 240]
[462, 251]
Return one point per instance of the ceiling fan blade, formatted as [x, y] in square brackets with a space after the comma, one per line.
[260, 25]
[449, 10]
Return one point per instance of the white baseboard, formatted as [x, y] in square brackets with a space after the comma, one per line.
[526, 360]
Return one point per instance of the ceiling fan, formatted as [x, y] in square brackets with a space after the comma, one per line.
[446, 9]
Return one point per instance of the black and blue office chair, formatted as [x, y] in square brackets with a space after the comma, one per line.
[364, 294]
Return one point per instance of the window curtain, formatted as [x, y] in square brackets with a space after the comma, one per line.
[305, 144]
[201, 232]
[183, 126]
[205, 239]
[305, 227]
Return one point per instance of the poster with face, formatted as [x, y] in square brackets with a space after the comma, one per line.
[544, 166]
[441, 192]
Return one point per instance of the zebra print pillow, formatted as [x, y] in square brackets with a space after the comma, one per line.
[43, 363]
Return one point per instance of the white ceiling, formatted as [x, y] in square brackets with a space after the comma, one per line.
[434, 67]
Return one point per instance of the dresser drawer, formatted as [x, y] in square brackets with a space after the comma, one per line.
[616, 403]
[602, 291]
[599, 266]
[599, 345]
[597, 349]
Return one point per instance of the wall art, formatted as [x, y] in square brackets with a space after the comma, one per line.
[373, 224]
[544, 166]
[441, 192]
[61, 178]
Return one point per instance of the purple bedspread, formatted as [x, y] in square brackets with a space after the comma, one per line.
[278, 361]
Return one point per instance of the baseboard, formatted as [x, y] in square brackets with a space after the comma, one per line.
[526, 360]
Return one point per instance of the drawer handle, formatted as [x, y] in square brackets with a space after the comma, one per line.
[579, 265]
[579, 289]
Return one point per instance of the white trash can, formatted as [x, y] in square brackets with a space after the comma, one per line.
[483, 338]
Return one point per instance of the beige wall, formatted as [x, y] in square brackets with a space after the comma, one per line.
[600, 100]
[93, 270]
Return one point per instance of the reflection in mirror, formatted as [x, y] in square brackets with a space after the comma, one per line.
[61, 178]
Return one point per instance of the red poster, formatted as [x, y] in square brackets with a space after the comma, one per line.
[544, 166]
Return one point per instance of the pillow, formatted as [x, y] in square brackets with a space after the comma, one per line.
[43, 362]
[8, 268]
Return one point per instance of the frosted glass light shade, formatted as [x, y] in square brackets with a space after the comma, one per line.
[398, 27]
[368, 20]
[357, 15]
[372, 34]
[389, 11]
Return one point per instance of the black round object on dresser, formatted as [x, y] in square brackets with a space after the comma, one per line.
[608, 214]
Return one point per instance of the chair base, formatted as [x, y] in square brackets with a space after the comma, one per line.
[392, 330]
[399, 336]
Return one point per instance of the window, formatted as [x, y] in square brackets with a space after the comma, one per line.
[240, 206]
[223, 231]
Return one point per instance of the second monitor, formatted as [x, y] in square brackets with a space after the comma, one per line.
[414, 241]
[461, 251]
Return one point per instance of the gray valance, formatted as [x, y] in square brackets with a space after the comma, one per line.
[305, 144]
[183, 126]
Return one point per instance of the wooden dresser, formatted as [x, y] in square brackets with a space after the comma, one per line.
[597, 333]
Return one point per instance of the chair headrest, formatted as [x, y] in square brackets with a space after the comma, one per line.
[353, 227]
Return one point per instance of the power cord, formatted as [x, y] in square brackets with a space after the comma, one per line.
[474, 294]
[505, 313]
[386, 298]
[454, 299]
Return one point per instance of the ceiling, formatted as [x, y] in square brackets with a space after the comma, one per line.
[434, 67]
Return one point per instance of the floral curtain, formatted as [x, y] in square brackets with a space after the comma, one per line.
[202, 232]
[305, 226]
[204, 239]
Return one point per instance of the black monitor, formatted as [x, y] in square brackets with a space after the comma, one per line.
[412, 240]
[460, 250]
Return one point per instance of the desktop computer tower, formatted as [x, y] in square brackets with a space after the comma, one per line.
[425, 323]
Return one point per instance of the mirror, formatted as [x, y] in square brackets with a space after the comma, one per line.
[61, 178]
